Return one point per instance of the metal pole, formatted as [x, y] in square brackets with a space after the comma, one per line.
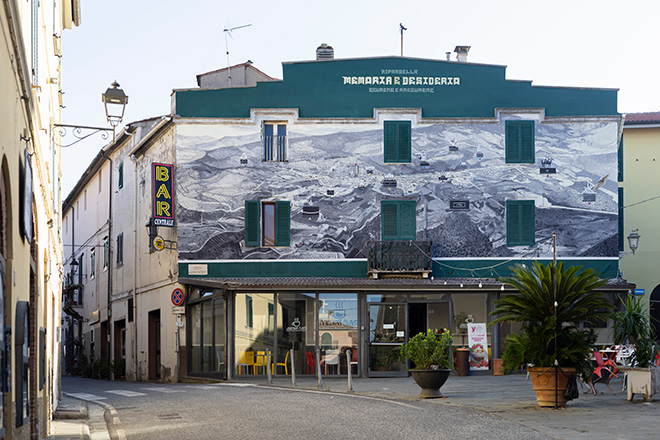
[270, 376]
[348, 368]
[293, 369]
[319, 384]
[554, 293]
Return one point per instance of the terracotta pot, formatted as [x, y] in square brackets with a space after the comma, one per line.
[430, 382]
[543, 379]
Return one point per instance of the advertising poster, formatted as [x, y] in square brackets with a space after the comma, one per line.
[478, 342]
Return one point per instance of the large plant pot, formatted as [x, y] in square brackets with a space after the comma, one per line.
[430, 382]
[543, 380]
[644, 381]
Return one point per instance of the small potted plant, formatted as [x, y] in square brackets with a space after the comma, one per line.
[430, 353]
[632, 325]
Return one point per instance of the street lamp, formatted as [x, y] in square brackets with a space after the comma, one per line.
[633, 240]
[115, 101]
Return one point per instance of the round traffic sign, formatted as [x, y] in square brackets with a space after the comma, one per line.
[177, 297]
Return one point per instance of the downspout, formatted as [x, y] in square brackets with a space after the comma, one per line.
[134, 350]
[109, 305]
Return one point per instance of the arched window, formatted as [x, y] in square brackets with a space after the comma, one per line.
[326, 340]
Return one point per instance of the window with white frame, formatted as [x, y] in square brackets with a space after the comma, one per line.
[275, 142]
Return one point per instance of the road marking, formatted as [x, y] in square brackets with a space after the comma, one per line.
[237, 384]
[205, 387]
[163, 390]
[126, 393]
[86, 396]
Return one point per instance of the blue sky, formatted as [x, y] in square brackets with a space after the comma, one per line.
[151, 47]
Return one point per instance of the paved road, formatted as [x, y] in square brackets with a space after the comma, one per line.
[247, 411]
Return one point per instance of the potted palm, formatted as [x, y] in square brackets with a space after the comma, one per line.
[632, 325]
[430, 353]
[551, 339]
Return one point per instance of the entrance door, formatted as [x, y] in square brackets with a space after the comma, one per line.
[154, 344]
[387, 331]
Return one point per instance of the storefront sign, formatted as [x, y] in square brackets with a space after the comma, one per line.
[401, 81]
[478, 341]
[163, 203]
[198, 269]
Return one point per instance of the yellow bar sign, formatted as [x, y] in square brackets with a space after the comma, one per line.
[163, 191]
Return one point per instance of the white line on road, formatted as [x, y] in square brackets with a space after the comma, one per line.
[86, 396]
[126, 393]
[163, 390]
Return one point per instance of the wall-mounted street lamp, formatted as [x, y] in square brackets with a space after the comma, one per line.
[633, 240]
[115, 101]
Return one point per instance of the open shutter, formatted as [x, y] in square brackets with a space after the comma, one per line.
[407, 221]
[404, 141]
[390, 141]
[512, 142]
[282, 223]
[527, 226]
[252, 223]
[527, 141]
[389, 220]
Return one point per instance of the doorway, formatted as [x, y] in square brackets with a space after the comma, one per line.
[154, 344]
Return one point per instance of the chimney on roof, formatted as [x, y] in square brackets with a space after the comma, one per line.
[462, 53]
[325, 52]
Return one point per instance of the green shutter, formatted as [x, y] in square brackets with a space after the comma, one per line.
[252, 223]
[512, 152]
[620, 161]
[390, 153]
[620, 219]
[404, 141]
[407, 220]
[282, 223]
[389, 220]
[527, 141]
[520, 223]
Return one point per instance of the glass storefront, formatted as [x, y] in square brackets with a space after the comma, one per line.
[338, 332]
[208, 330]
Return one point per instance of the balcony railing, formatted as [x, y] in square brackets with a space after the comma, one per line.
[412, 257]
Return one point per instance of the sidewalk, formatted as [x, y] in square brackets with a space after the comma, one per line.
[77, 419]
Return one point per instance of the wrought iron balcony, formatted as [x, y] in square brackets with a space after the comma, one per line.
[385, 257]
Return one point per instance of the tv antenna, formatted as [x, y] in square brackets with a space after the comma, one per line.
[228, 31]
[401, 28]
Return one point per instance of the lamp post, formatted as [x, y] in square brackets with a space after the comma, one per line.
[633, 240]
[115, 100]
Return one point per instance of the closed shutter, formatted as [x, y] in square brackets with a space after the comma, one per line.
[527, 141]
[404, 141]
[389, 214]
[407, 223]
[519, 142]
[390, 141]
[268, 142]
[520, 223]
[620, 219]
[282, 223]
[512, 143]
[252, 223]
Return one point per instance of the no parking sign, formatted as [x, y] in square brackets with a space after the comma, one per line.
[177, 297]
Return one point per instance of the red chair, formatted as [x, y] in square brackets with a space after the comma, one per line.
[310, 362]
[603, 365]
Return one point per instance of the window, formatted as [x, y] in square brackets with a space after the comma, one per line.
[249, 312]
[275, 142]
[92, 263]
[100, 180]
[120, 179]
[520, 223]
[519, 141]
[397, 142]
[398, 220]
[120, 249]
[81, 263]
[267, 223]
[35, 42]
[106, 253]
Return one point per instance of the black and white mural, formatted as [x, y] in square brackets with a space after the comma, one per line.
[335, 179]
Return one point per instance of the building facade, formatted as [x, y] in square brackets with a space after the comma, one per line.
[639, 203]
[348, 207]
[30, 244]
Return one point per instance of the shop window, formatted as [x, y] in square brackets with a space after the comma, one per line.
[267, 223]
[275, 142]
[397, 145]
[398, 220]
[519, 141]
[520, 223]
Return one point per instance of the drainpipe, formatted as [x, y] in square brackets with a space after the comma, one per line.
[135, 263]
[109, 305]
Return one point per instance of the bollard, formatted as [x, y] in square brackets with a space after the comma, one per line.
[319, 384]
[270, 376]
[348, 368]
[293, 369]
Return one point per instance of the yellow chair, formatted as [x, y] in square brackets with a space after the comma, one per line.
[285, 364]
[247, 361]
[260, 361]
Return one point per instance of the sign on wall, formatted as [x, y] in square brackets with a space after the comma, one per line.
[163, 203]
[478, 340]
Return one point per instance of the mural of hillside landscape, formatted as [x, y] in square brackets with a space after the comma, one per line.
[336, 178]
